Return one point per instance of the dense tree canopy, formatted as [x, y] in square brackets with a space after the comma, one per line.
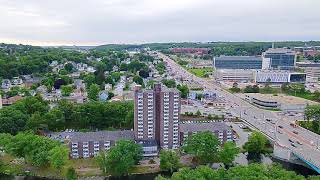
[120, 158]
[204, 146]
[257, 144]
[169, 160]
[250, 172]
[38, 150]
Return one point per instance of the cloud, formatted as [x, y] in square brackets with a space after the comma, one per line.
[125, 21]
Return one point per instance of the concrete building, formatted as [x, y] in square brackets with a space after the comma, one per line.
[239, 75]
[157, 114]
[282, 102]
[280, 58]
[273, 76]
[89, 144]
[199, 51]
[311, 69]
[237, 62]
[221, 130]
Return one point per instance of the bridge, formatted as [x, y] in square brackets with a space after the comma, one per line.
[297, 142]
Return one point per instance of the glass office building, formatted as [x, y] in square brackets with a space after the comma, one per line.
[281, 58]
[237, 62]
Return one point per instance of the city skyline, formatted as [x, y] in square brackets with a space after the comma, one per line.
[116, 22]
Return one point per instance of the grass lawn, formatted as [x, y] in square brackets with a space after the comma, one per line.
[200, 72]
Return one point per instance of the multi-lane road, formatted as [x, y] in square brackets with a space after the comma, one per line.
[276, 127]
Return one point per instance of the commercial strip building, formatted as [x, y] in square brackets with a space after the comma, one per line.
[281, 102]
[237, 62]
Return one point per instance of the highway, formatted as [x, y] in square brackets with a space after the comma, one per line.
[277, 127]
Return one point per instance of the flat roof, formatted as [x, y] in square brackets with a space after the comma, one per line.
[95, 136]
[243, 58]
[212, 126]
[280, 51]
[280, 98]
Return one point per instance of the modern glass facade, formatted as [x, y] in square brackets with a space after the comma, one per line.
[237, 62]
[281, 58]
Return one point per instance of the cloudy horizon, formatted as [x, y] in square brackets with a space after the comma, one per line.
[78, 22]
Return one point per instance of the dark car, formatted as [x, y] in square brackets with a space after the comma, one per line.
[298, 142]
[291, 141]
[280, 127]
[296, 132]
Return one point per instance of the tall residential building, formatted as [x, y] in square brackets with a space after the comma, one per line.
[280, 58]
[157, 115]
[237, 62]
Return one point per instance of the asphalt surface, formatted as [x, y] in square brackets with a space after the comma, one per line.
[306, 143]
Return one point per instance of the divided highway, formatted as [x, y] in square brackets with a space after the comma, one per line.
[299, 140]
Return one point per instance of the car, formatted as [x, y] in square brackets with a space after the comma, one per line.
[298, 142]
[280, 132]
[296, 132]
[268, 120]
[273, 122]
[290, 140]
[280, 126]
[293, 144]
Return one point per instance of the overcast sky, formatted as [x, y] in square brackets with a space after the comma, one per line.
[93, 22]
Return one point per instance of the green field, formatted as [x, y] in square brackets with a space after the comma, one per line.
[200, 72]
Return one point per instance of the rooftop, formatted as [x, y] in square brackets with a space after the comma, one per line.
[95, 136]
[213, 126]
[239, 58]
[280, 98]
[280, 51]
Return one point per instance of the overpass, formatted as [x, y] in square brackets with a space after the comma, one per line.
[307, 142]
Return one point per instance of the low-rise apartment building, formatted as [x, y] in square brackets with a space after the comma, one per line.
[89, 144]
[223, 132]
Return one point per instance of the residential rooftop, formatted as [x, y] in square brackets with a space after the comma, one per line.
[212, 126]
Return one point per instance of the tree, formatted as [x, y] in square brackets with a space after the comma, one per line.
[89, 79]
[71, 174]
[170, 83]
[93, 92]
[138, 80]
[66, 90]
[169, 160]
[228, 153]
[252, 171]
[35, 149]
[203, 145]
[58, 157]
[120, 158]
[68, 67]
[184, 90]
[198, 113]
[12, 121]
[257, 144]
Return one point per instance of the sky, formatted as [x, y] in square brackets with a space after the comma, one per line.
[96, 22]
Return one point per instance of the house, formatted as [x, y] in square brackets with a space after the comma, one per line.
[11, 100]
[6, 84]
[108, 87]
[42, 89]
[16, 81]
[78, 83]
[53, 63]
[103, 96]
